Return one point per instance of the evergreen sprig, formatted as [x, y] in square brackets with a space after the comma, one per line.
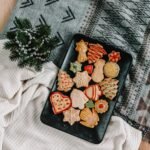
[30, 46]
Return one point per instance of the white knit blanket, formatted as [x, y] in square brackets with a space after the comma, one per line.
[23, 93]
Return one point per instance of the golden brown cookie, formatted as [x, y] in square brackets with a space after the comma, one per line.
[82, 48]
[89, 118]
[111, 69]
[101, 106]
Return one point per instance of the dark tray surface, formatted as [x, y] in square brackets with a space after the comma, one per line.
[92, 135]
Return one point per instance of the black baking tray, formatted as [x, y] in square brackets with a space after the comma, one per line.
[96, 134]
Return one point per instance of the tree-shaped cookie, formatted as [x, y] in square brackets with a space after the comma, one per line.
[109, 87]
[65, 82]
[95, 52]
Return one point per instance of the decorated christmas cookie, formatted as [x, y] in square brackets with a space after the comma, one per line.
[93, 78]
[111, 69]
[71, 116]
[95, 52]
[98, 74]
[65, 83]
[89, 69]
[78, 99]
[114, 56]
[90, 104]
[93, 92]
[82, 79]
[82, 48]
[101, 106]
[89, 118]
[109, 87]
[75, 67]
[59, 102]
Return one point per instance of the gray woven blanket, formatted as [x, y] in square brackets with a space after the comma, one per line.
[124, 23]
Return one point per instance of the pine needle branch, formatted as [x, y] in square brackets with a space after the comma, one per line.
[30, 46]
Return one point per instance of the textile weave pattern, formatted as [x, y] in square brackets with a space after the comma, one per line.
[123, 23]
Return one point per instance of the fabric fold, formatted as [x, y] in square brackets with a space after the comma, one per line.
[23, 93]
[20, 86]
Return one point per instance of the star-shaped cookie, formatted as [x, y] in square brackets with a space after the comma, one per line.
[71, 115]
[82, 79]
[75, 67]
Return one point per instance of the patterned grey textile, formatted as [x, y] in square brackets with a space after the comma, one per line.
[124, 23]
[64, 16]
